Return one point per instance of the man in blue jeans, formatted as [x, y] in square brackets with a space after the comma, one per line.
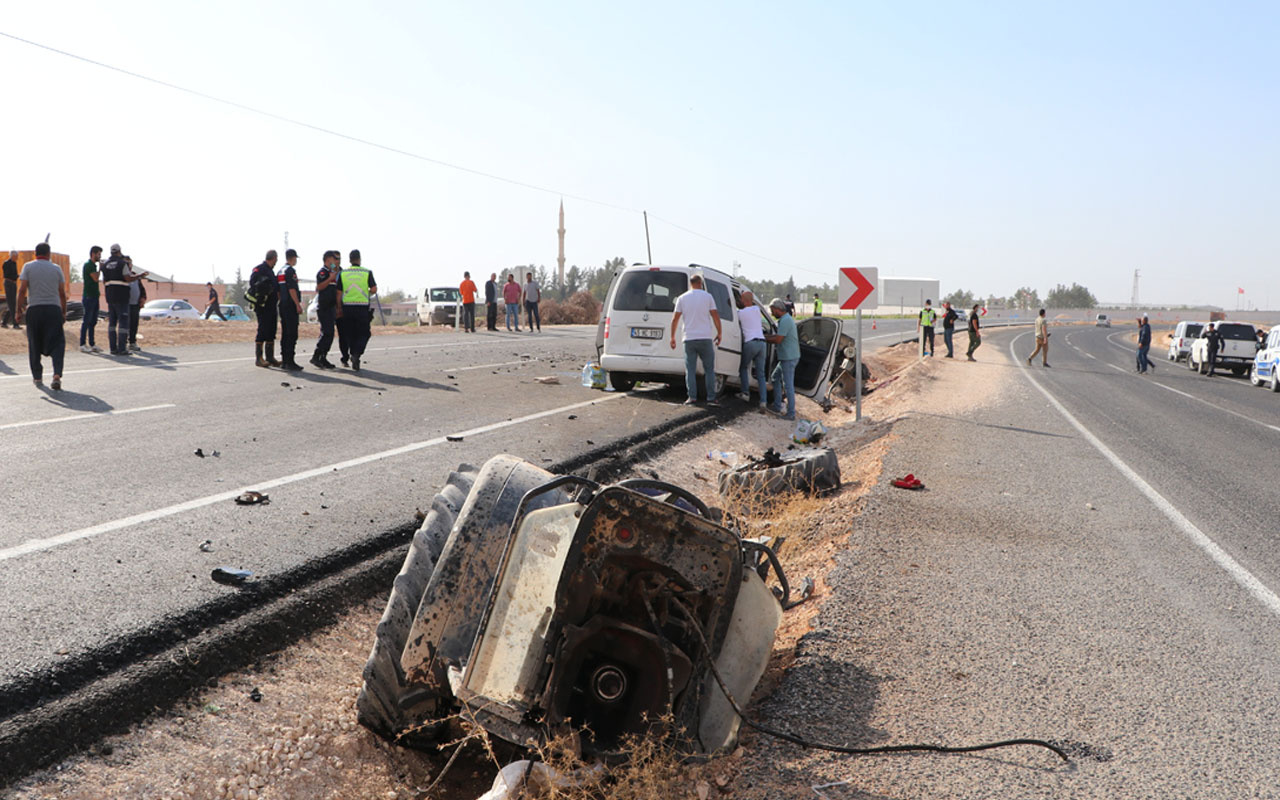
[784, 375]
[753, 349]
[697, 308]
[1144, 345]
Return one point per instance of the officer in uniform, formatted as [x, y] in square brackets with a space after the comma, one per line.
[326, 311]
[262, 283]
[927, 317]
[344, 349]
[290, 309]
[355, 287]
[817, 305]
[1213, 346]
[116, 277]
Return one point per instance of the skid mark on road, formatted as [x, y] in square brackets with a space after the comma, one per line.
[37, 545]
[95, 415]
[1222, 558]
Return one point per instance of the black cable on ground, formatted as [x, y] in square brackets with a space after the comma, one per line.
[834, 748]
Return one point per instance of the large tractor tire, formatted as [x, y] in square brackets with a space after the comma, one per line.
[813, 470]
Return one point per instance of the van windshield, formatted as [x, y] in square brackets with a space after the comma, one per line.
[449, 295]
[1230, 331]
[650, 290]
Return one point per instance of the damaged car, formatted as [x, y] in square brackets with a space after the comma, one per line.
[536, 605]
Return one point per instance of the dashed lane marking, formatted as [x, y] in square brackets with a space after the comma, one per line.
[72, 418]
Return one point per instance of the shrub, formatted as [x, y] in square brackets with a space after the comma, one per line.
[581, 309]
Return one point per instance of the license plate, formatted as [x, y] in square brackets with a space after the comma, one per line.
[646, 333]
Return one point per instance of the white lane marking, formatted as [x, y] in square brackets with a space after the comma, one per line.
[1235, 569]
[1090, 355]
[490, 366]
[1117, 369]
[1175, 391]
[97, 415]
[127, 367]
[36, 545]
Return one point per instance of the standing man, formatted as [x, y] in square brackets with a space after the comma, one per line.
[213, 307]
[491, 302]
[326, 302]
[753, 349]
[697, 308]
[290, 310]
[263, 289]
[89, 297]
[924, 325]
[817, 305]
[355, 287]
[468, 290]
[1144, 344]
[41, 283]
[137, 297]
[11, 291]
[949, 317]
[787, 338]
[791, 307]
[975, 337]
[511, 296]
[116, 278]
[343, 348]
[1214, 345]
[532, 296]
[1042, 340]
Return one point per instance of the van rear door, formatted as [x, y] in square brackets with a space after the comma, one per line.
[638, 318]
[819, 346]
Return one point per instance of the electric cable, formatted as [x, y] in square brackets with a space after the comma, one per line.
[790, 737]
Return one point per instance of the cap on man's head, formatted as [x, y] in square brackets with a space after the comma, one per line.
[290, 253]
[778, 302]
[115, 248]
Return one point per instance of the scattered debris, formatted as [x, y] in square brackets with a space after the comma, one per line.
[812, 470]
[230, 576]
[547, 380]
[256, 695]
[808, 432]
[908, 482]
[573, 416]
[727, 458]
[593, 376]
[418, 515]
[590, 442]
[206, 546]
[450, 377]
[199, 453]
[253, 499]
[1090, 506]
[285, 384]
[452, 438]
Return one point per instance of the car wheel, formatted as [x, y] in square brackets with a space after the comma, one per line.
[1275, 380]
[1237, 371]
[1253, 376]
[720, 382]
[622, 381]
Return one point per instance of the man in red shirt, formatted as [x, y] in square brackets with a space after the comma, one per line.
[468, 289]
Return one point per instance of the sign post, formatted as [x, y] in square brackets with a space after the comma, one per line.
[858, 287]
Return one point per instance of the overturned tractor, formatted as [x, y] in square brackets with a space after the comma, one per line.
[535, 605]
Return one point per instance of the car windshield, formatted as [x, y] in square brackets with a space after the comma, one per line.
[650, 290]
[1193, 331]
[1237, 332]
[159, 304]
[449, 295]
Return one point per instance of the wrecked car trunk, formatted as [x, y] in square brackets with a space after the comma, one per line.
[536, 605]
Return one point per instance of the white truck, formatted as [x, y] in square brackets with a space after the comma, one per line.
[1239, 346]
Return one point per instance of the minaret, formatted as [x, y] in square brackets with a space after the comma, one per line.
[560, 230]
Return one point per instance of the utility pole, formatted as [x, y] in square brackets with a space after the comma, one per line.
[647, 247]
[560, 258]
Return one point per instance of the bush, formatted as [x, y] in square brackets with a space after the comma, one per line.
[581, 309]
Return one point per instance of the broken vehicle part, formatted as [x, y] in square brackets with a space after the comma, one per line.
[230, 576]
[813, 470]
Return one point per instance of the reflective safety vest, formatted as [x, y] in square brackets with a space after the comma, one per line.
[817, 307]
[927, 317]
[355, 286]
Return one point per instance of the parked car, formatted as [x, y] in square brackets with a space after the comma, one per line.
[75, 311]
[1266, 364]
[1180, 340]
[1103, 321]
[439, 305]
[168, 309]
[232, 312]
[1239, 347]
[313, 309]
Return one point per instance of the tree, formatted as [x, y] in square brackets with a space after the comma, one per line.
[1075, 297]
[1026, 298]
[393, 296]
[960, 299]
[235, 292]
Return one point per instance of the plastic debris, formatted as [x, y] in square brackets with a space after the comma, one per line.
[593, 376]
[230, 576]
[199, 452]
[452, 438]
[253, 499]
[547, 380]
[728, 458]
[206, 546]
[256, 695]
[808, 432]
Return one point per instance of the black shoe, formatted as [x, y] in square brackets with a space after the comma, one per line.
[327, 364]
[355, 363]
[346, 361]
[293, 366]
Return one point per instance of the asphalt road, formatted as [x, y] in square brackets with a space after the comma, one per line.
[106, 504]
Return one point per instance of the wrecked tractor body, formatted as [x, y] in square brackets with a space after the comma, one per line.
[598, 609]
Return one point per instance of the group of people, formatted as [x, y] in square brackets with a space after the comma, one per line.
[927, 320]
[528, 294]
[116, 281]
[342, 305]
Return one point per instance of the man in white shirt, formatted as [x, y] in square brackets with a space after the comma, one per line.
[697, 309]
[753, 348]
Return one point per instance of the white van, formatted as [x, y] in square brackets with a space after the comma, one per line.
[438, 305]
[634, 333]
[1180, 340]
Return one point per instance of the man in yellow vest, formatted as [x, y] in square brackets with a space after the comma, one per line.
[355, 288]
[817, 305]
[925, 324]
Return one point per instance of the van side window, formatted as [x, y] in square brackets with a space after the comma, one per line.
[724, 305]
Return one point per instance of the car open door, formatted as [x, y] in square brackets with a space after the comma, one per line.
[819, 348]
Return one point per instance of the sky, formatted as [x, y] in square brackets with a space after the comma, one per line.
[989, 145]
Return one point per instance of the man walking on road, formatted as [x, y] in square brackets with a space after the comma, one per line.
[89, 298]
[753, 349]
[356, 286]
[468, 290]
[975, 337]
[213, 307]
[787, 338]
[532, 296]
[290, 309]
[697, 309]
[1042, 340]
[949, 317]
[1144, 345]
[491, 302]
[41, 285]
[11, 291]
[1213, 345]
[266, 294]
[924, 325]
[511, 297]
[326, 312]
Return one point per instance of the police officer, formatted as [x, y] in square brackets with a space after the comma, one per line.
[344, 349]
[290, 309]
[927, 317]
[355, 287]
[262, 284]
[326, 309]
[1214, 345]
[817, 305]
[116, 277]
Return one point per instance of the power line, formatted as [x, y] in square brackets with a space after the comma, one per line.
[386, 148]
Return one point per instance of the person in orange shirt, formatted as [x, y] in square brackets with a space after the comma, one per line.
[468, 289]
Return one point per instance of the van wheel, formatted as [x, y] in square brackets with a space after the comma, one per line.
[1275, 381]
[720, 382]
[622, 381]
[1237, 371]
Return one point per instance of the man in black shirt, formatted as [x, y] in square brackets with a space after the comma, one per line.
[491, 302]
[11, 291]
[262, 285]
[1214, 345]
[290, 309]
[116, 277]
[949, 318]
[213, 307]
[975, 338]
[326, 309]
